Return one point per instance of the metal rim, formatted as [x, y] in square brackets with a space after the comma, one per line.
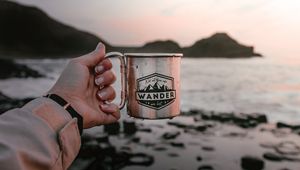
[153, 54]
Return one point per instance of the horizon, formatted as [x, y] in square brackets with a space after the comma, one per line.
[264, 24]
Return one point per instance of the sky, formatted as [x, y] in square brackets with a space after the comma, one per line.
[271, 26]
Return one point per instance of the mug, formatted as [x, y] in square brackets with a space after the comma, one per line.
[150, 84]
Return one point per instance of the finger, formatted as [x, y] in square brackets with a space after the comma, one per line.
[107, 78]
[107, 93]
[103, 66]
[111, 109]
[94, 57]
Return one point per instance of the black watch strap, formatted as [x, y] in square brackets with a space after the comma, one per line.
[59, 100]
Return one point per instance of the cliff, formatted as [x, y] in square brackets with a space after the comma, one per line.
[28, 31]
[219, 45]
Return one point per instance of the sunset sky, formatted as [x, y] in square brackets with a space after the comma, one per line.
[272, 26]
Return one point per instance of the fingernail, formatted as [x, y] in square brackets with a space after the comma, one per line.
[99, 81]
[99, 46]
[99, 69]
[108, 107]
[102, 94]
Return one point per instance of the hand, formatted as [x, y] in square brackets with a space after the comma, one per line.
[79, 85]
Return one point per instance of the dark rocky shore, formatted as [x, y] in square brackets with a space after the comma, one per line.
[197, 139]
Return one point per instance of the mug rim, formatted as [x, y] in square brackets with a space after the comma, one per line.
[153, 54]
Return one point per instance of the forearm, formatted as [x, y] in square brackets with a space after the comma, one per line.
[41, 135]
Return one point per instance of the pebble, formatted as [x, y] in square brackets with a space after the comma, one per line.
[170, 135]
[129, 127]
[113, 128]
[206, 167]
[273, 157]
[252, 163]
[177, 144]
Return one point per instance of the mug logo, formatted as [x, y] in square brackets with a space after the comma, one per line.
[155, 91]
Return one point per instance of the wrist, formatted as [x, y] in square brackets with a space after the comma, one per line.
[68, 107]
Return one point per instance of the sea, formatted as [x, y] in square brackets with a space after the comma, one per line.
[255, 85]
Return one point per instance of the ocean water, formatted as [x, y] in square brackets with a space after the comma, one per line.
[259, 85]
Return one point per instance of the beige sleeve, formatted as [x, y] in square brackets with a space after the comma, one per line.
[40, 135]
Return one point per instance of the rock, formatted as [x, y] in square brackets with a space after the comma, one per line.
[136, 139]
[208, 148]
[199, 158]
[258, 117]
[159, 148]
[7, 103]
[129, 127]
[288, 148]
[89, 149]
[170, 135]
[107, 149]
[40, 34]
[173, 155]
[102, 138]
[113, 128]
[285, 125]
[11, 69]
[205, 167]
[147, 130]
[252, 163]
[226, 47]
[177, 144]
[161, 46]
[273, 157]
[177, 124]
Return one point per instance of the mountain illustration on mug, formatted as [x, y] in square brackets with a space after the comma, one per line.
[155, 91]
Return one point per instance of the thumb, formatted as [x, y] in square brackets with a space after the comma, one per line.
[94, 57]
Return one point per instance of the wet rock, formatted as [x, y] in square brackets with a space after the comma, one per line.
[252, 163]
[170, 135]
[89, 149]
[173, 155]
[242, 120]
[159, 148]
[285, 125]
[7, 103]
[10, 69]
[258, 117]
[129, 127]
[205, 167]
[102, 138]
[288, 148]
[208, 148]
[273, 157]
[136, 139]
[178, 124]
[236, 134]
[193, 112]
[199, 158]
[147, 130]
[113, 128]
[85, 137]
[125, 148]
[107, 149]
[177, 144]
[201, 127]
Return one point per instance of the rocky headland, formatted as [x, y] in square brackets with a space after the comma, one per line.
[29, 32]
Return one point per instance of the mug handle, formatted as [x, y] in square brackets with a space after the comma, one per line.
[121, 57]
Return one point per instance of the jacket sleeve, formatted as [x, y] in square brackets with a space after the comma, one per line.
[40, 135]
